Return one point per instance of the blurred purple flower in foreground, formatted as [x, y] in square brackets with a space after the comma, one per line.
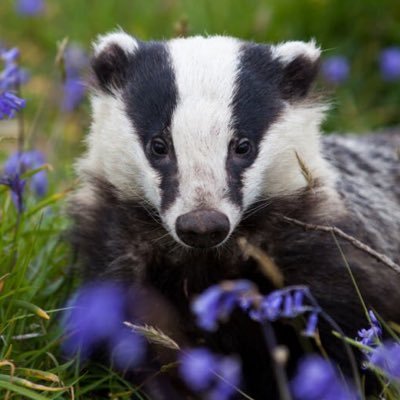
[215, 376]
[17, 186]
[76, 61]
[19, 163]
[9, 79]
[389, 62]
[387, 358]
[30, 7]
[371, 336]
[335, 69]
[95, 317]
[218, 302]
[317, 379]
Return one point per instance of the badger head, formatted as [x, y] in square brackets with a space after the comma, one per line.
[202, 128]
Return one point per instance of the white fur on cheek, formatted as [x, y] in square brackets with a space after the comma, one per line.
[115, 152]
[276, 171]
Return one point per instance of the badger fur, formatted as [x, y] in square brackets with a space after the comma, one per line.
[195, 142]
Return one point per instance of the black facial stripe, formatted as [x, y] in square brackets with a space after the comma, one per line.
[151, 96]
[256, 104]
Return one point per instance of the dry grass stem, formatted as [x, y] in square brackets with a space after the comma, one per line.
[153, 335]
[267, 265]
[355, 242]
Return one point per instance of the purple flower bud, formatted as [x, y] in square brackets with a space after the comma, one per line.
[19, 163]
[317, 379]
[9, 56]
[371, 336]
[74, 93]
[30, 7]
[389, 62]
[387, 358]
[335, 69]
[17, 187]
[206, 372]
[196, 368]
[10, 104]
[218, 301]
[311, 324]
[95, 317]
[127, 349]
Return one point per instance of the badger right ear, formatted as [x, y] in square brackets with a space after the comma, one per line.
[112, 53]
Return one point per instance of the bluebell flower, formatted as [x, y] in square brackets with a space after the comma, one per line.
[74, 93]
[335, 69]
[389, 62]
[196, 368]
[214, 376]
[10, 104]
[373, 335]
[30, 7]
[76, 61]
[17, 186]
[20, 162]
[127, 349]
[10, 76]
[317, 379]
[386, 357]
[94, 317]
[218, 301]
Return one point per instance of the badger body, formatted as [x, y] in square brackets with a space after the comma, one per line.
[196, 142]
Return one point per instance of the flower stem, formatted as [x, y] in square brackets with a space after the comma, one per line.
[279, 370]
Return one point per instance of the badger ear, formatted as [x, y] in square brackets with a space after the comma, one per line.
[300, 61]
[112, 53]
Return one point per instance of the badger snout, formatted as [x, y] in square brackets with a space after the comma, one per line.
[202, 228]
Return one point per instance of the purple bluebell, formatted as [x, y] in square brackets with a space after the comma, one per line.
[17, 186]
[94, 317]
[386, 357]
[20, 162]
[373, 335]
[335, 69]
[30, 7]
[196, 368]
[389, 62]
[9, 78]
[317, 379]
[127, 349]
[74, 93]
[216, 377]
[10, 104]
[76, 61]
[218, 301]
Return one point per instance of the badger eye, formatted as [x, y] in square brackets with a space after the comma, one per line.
[243, 147]
[159, 147]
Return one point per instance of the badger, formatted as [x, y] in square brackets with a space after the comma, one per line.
[196, 142]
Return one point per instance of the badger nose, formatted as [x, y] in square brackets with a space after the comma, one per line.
[202, 228]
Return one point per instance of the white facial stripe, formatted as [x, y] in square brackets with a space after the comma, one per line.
[205, 72]
[276, 171]
[115, 152]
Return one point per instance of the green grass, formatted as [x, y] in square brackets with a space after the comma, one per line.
[37, 267]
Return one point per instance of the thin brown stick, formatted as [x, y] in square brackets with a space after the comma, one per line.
[355, 242]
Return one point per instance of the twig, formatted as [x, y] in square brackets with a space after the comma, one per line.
[355, 242]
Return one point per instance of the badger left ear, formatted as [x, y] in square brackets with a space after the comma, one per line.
[300, 61]
[112, 55]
